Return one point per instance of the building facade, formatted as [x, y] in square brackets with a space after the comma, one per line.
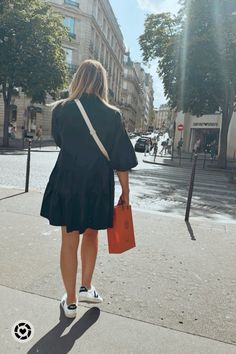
[131, 95]
[145, 104]
[162, 117]
[94, 34]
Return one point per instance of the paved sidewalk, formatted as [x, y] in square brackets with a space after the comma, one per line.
[177, 287]
[92, 332]
[186, 162]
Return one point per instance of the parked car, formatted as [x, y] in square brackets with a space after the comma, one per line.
[141, 144]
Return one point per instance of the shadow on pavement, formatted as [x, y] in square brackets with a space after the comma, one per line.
[54, 343]
[190, 230]
[12, 196]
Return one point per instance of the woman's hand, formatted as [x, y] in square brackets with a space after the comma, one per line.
[124, 199]
[124, 182]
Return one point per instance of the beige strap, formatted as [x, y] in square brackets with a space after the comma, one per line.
[91, 129]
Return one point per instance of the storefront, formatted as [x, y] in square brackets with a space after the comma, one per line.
[207, 128]
[208, 133]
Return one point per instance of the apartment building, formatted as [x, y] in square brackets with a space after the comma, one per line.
[145, 104]
[95, 34]
[162, 117]
[131, 95]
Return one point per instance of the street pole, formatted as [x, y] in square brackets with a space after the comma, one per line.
[173, 143]
[180, 156]
[28, 167]
[190, 192]
[204, 162]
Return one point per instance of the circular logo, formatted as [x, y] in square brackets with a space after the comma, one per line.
[22, 331]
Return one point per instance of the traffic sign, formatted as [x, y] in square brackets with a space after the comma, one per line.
[180, 127]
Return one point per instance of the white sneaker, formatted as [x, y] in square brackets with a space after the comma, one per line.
[89, 295]
[69, 310]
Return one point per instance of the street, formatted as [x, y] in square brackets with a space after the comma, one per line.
[154, 188]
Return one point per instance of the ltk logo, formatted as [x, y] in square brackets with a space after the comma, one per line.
[22, 331]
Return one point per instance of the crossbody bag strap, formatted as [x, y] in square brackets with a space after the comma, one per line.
[91, 129]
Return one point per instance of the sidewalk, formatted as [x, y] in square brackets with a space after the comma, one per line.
[174, 293]
[186, 161]
[17, 144]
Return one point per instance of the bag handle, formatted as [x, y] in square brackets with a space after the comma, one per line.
[91, 129]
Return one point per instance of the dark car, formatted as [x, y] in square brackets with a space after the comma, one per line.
[141, 144]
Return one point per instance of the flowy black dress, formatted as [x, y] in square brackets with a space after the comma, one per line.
[80, 191]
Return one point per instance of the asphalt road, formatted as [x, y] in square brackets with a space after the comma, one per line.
[153, 188]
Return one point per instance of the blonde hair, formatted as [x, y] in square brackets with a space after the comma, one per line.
[90, 77]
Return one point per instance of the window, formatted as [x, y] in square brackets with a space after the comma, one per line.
[102, 54]
[99, 18]
[72, 2]
[125, 85]
[69, 55]
[94, 8]
[69, 22]
[104, 26]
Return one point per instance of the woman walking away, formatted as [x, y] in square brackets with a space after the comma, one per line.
[80, 193]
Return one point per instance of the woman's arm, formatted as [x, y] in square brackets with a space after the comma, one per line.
[124, 182]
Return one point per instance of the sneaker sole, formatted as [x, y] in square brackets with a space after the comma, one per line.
[68, 315]
[94, 301]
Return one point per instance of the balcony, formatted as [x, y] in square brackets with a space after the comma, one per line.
[71, 68]
[71, 3]
[72, 35]
[91, 46]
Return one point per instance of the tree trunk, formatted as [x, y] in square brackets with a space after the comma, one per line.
[7, 94]
[6, 124]
[227, 113]
[226, 119]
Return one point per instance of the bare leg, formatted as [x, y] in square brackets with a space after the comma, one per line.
[69, 262]
[89, 249]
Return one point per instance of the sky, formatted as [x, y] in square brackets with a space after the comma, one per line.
[131, 16]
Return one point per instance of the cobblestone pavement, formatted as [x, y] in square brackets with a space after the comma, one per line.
[153, 187]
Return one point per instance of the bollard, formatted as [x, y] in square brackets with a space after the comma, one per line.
[190, 192]
[28, 167]
[204, 162]
[180, 156]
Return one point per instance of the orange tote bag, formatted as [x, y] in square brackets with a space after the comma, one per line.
[121, 235]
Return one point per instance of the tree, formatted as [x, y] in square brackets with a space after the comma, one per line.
[196, 52]
[31, 53]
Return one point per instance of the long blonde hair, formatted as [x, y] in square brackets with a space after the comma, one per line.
[90, 77]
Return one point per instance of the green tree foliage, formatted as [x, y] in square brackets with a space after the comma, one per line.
[31, 53]
[197, 58]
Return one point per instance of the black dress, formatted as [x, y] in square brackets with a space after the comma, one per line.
[80, 191]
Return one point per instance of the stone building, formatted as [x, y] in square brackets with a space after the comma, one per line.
[162, 117]
[131, 95]
[94, 33]
[145, 104]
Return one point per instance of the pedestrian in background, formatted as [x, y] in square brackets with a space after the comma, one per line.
[163, 144]
[213, 148]
[179, 146]
[169, 145]
[39, 134]
[80, 193]
[196, 147]
[147, 147]
[166, 145]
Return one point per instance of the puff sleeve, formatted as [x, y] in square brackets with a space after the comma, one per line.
[122, 155]
[55, 127]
